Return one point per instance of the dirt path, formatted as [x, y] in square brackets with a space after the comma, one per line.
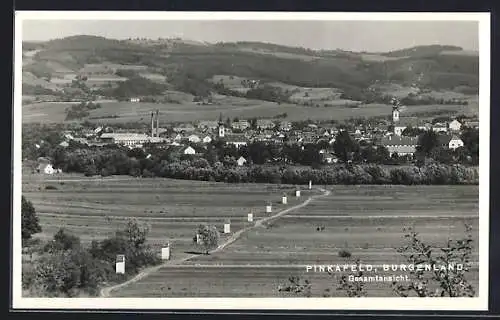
[106, 292]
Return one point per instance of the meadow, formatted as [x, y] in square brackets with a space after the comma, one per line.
[367, 221]
[231, 82]
[49, 112]
[94, 208]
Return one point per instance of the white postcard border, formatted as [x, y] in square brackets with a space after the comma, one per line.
[386, 303]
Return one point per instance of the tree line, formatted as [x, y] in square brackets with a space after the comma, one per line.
[271, 162]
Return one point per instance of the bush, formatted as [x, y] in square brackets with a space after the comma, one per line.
[29, 220]
[50, 187]
[344, 254]
[209, 237]
[62, 241]
[66, 268]
[68, 272]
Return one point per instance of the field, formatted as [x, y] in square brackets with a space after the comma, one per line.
[230, 107]
[372, 57]
[31, 79]
[368, 221]
[282, 55]
[110, 67]
[154, 77]
[231, 82]
[94, 208]
[460, 53]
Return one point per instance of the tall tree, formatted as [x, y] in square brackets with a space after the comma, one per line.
[30, 222]
[344, 145]
[470, 137]
[427, 142]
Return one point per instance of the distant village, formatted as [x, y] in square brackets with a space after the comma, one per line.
[192, 138]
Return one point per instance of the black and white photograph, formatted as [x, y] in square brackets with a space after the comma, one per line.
[216, 160]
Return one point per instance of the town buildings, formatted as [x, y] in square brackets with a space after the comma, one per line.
[129, 139]
[455, 125]
[450, 142]
[400, 145]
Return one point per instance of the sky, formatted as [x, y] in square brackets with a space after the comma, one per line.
[373, 36]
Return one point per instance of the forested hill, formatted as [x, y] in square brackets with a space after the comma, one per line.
[187, 65]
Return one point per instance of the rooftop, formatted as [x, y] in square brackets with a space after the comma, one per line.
[395, 140]
[408, 121]
[236, 138]
[124, 136]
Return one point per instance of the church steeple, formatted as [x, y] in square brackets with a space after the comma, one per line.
[395, 114]
[395, 110]
[221, 127]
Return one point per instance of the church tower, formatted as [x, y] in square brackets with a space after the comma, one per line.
[395, 114]
[395, 110]
[221, 127]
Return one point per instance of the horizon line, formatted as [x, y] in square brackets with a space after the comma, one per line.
[459, 48]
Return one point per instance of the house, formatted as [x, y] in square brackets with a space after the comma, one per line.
[265, 124]
[241, 161]
[440, 127]
[425, 126]
[156, 140]
[241, 125]
[450, 142]
[334, 131]
[126, 139]
[285, 125]
[81, 140]
[194, 138]
[472, 124]
[237, 140]
[259, 137]
[189, 150]
[208, 124]
[45, 168]
[185, 127]
[161, 131]
[455, 143]
[207, 139]
[455, 125]
[329, 158]
[400, 144]
[402, 123]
